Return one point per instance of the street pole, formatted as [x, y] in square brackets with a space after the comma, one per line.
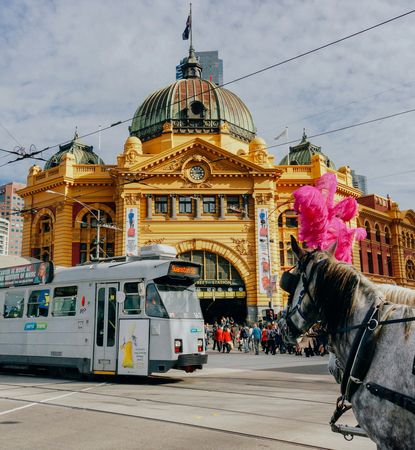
[98, 231]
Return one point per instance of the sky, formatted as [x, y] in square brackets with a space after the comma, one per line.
[85, 64]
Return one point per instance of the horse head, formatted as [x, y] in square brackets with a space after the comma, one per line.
[300, 282]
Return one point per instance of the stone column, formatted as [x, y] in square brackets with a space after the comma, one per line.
[63, 235]
[149, 210]
[221, 207]
[173, 214]
[198, 209]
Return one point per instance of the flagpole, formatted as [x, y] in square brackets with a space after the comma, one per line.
[286, 135]
[191, 27]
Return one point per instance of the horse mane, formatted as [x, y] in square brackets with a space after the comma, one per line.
[398, 294]
[335, 288]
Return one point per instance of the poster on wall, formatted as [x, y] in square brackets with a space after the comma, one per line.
[264, 252]
[131, 232]
[133, 351]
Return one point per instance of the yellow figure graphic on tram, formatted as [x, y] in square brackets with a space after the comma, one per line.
[128, 360]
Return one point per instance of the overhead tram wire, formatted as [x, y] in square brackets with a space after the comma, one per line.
[347, 127]
[243, 77]
[142, 180]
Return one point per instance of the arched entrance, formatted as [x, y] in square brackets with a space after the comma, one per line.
[221, 289]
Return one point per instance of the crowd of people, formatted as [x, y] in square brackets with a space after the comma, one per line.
[225, 335]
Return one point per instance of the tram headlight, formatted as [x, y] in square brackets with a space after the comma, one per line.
[200, 345]
[178, 346]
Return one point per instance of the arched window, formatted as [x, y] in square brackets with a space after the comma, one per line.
[377, 233]
[387, 236]
[367, 226]
[291, 220]
[42, 248]
[410, 270]
[89, 234]
[408, 240]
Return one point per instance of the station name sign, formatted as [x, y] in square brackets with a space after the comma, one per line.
[35, 273]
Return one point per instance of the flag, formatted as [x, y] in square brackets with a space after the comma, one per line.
[186, 31]
[283, 133]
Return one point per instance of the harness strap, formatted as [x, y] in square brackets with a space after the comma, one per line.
[402, 400]
[375, 324]
[346, 387]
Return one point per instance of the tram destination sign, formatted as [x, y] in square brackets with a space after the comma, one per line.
[185, 269]
[35, 273]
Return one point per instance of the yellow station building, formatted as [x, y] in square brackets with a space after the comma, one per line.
[193, 174]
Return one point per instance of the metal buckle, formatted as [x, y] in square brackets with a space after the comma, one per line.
[356, 380]
[374, 326]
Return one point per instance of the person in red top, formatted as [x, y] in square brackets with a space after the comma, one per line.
[264, 339]
[219, 338]
[227, 339]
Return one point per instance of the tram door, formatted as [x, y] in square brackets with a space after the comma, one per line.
[105, 348]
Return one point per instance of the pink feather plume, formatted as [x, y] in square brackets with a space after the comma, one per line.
[322, 222]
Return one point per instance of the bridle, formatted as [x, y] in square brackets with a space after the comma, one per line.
[289, 281]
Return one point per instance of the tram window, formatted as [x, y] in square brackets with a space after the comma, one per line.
[132, 299]
[100, 317]
[64, 301]
[13, 305]
[112, 316]
[38, 304]
[154, 304]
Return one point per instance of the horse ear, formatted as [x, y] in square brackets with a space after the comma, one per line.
[299, 252]
[332, 249]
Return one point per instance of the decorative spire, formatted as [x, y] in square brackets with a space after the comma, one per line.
[304, 138]
[192, 68]
[76, 135]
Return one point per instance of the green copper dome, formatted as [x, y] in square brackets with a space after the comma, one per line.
[83, 154]
[301, 154]
[192, 105]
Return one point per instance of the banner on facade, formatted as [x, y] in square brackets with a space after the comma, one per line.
[264, 253]
[131, 232]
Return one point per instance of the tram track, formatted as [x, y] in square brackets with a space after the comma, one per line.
[209, 390]
[164, 402]
[166, 421]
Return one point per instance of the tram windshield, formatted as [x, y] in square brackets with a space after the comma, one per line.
[180, 301]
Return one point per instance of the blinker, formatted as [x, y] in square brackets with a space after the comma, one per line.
[289, 282]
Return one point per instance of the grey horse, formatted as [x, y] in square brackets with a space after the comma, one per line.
[335, 293]
[391, 293]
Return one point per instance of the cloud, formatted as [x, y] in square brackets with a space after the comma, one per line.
[85, 64]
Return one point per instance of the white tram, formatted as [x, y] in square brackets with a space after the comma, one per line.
[128, 316]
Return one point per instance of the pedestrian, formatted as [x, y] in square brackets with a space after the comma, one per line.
[256, 338]
[219, 338]
[278, 339]
[227, 340]
[244, 335]
[234, 334]
[264, 339]
[215, 342]
[270, 339]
